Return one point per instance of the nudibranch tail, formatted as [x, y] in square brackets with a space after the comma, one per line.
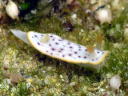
[21, 35]
[65, 50]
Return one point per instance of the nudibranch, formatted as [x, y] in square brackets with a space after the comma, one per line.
[62, 49]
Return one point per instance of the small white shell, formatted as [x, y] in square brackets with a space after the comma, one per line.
[12, 10]
[104, 15]
[115, 82]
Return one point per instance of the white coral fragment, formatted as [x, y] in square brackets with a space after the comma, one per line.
[12, 10]
[115, 82]
[104, 15]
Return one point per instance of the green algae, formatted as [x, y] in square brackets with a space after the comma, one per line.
[50, 77]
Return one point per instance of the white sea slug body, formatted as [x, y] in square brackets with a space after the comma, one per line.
[12, 10]
[62, 49]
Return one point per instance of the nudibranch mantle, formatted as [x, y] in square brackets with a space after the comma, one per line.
[63, 49]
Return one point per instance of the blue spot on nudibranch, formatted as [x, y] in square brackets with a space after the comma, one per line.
[70, 54]
[38, 43]
[79, 46]
[79, 49]
[61, 49]
[75, 52]
[68, 43]
[63, 55]
[35, 35]
[53, 39]
[50, 45]
[60, 39]
[52, 49]
[79, 56]
[85, 57]
[57, 43]
[71, 47]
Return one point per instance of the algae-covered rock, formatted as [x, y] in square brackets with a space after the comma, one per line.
[73, 20]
